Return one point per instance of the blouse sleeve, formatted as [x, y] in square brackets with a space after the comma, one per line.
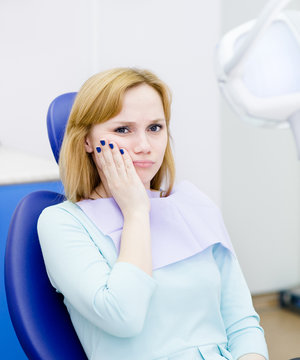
[241, 321]
[115, 299]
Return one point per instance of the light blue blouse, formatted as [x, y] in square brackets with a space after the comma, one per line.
[196, 308]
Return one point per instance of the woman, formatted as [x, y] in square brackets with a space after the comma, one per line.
[145, 274]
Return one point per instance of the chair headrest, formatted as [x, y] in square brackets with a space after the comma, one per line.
[57, 117]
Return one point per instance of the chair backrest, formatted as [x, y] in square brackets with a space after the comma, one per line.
[58, 114]
[39, 316]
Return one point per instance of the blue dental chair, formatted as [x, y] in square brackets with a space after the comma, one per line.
[39, 316]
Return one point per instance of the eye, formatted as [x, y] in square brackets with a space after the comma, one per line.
[121, 128]
[156, 125]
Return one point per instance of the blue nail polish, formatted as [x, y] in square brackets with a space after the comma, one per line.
[122, 151]
[102, 142]
[111, 146]
[98, 149]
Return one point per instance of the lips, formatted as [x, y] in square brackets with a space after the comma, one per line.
[144, 164]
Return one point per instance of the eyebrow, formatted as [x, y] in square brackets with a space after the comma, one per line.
[134, 123]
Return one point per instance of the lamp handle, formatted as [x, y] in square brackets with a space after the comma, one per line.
[269, 12]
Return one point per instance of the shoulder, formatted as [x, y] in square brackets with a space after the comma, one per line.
[222, 253]
[62, 212]
[200, 210]
[57, 208]
[60, 221]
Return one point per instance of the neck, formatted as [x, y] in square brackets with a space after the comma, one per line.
[101, 192]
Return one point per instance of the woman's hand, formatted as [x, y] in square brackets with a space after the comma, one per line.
[121, 178]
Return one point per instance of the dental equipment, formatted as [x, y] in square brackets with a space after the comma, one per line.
[258, 69]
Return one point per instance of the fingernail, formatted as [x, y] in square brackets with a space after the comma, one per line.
[122, 151]
[111, 146]
[98, 149]
[102, 142]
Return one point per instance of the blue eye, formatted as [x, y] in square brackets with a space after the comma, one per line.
[159, 126]
[121, 128]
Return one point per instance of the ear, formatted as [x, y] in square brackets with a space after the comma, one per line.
[88, 145]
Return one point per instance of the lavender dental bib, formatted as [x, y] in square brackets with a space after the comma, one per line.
[182, 224]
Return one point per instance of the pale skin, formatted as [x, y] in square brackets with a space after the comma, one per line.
[140, 130]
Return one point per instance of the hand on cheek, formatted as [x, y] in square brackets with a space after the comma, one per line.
[122, 179]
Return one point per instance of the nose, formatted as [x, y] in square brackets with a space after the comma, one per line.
[142, 143]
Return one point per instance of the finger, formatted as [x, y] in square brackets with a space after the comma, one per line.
[129, 167]
[118, 159]
[107, 161]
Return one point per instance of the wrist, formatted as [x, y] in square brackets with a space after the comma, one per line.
[136, 214]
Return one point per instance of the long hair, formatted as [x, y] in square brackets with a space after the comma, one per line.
[100, 99]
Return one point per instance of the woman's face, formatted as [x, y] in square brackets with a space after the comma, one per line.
[140, 128]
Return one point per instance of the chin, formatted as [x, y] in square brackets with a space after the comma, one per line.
[145, 175]
[145, 179]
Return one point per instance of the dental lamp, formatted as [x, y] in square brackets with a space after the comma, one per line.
[258, 69]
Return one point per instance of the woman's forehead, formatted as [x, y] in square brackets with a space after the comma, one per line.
[141, 95]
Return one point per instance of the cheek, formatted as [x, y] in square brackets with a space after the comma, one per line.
[121, 143]
[93, 141]
[108, 138]
[163, 145]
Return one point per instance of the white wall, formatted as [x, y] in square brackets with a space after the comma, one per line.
[260, 188]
